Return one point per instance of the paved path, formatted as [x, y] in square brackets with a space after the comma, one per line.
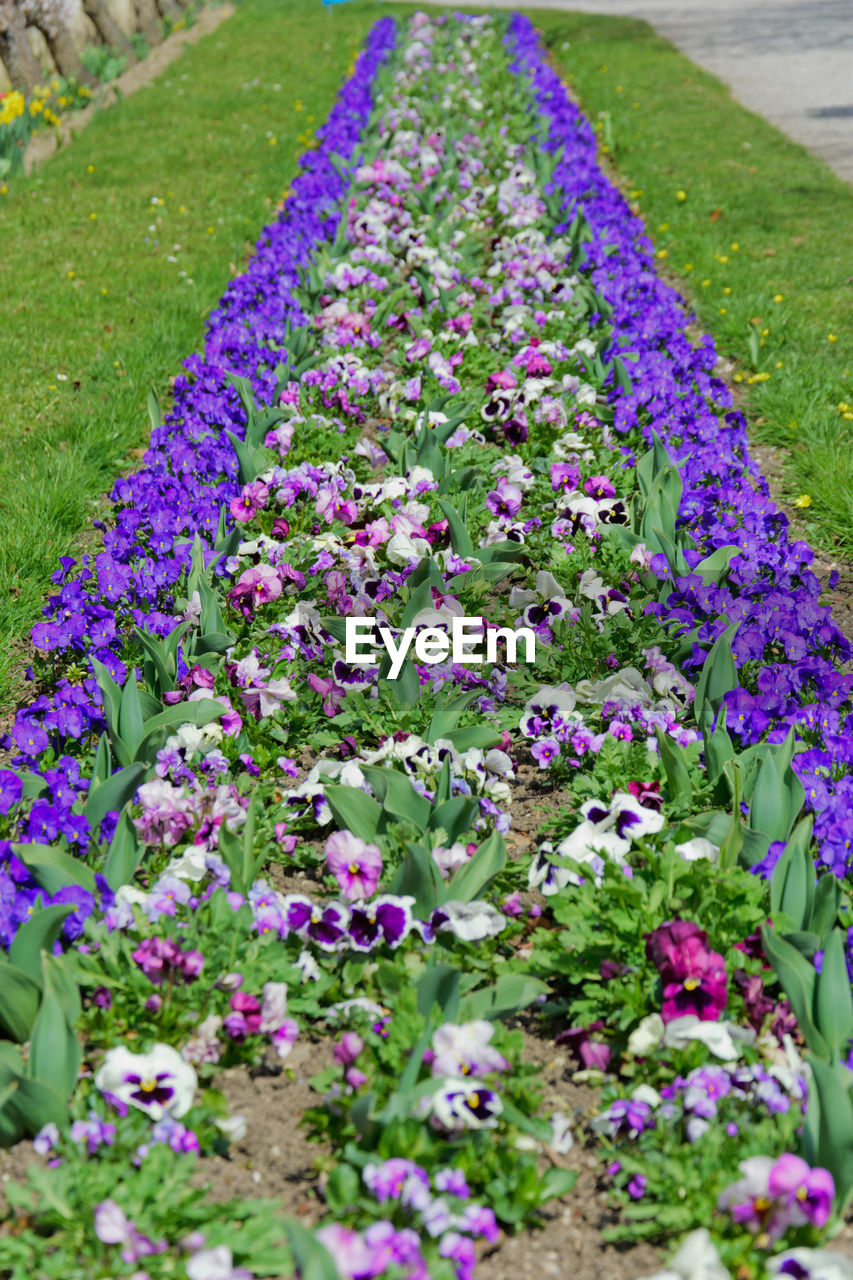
[790, 61]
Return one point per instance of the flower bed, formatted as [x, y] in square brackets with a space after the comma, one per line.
[450, 387]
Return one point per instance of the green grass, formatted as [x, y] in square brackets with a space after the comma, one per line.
[89, 292]
[97, 300]
[762, 242]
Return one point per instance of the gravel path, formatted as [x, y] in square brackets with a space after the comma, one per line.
[788, 60]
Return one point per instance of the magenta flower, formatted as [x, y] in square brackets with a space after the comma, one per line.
[774, 1195]
[564, 475]
[806, 1194]
[598, 487]
[694, 978]
[258, 585]
[355, 864]
[332, 694]
[250, 501]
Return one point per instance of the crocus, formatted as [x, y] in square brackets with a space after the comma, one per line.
[355, 864]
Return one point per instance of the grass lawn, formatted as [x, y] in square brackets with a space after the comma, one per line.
[116, 250]
[114, 253]
[755, 231]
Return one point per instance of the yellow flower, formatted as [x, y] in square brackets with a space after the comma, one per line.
[688, 266]
[661, 253]
[778, 297]
[12, 106]
[681, 195]
[734, 246]
[832, 337]
[721, 257]
[804, 500]
[90, 168]
[727, 290]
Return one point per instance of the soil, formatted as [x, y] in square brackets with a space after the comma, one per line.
[275, 1160]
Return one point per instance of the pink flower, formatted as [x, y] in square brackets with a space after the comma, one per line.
[355, 864]
[694, 978]
[250, 501]
[348, 1048]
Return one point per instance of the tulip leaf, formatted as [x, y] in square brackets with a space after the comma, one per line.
[36, 935]
[833, 1001]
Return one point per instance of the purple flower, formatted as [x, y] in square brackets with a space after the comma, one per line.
[545, 751]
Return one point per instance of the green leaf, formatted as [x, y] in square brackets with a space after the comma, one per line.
[418, 877]
[460, 539]
[439, 985]
[398, 797]
[130, 717]
[124, 853]
[511, 993]
[36, 935]
[797, 977]
[556, 1183]
[313, 1261]
[829, 1144]
[114, 793]
[20, 994]
[473, 735]
[353, 810]
[675, 768]
[54, 1049]
[155, 416]
[470, 881]
[54, 869]
[455, 817]
[833, 1000]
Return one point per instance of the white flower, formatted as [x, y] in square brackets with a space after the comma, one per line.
[817, 1264]
[401, 549]
[470, 921]
[232, 1127]
[646, 1036]
[190, 866]
[718, 1036]
[697, 1259]
[463, 1103]
[273, 1006]
[215, 1264]
[627, 685]
[699, 847]
[562, 1138]
[159, 1082]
